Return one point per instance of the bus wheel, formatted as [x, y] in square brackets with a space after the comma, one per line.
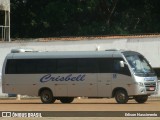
[47, 97]
[121, 97]
[141, 98]
[66, 99]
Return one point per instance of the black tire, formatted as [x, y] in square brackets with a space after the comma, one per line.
[121, 97]
[66, 99]
[47, 97]
[141, 98]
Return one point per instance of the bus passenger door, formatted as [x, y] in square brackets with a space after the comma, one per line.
[121, 75]
[105, 77]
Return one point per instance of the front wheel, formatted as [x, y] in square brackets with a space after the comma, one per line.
[121, 97]
[141, 98]
[47, 97]
[66, 99]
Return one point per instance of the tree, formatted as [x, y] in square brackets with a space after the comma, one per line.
[50, 18]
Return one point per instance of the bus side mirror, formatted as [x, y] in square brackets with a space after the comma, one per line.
[122, 64]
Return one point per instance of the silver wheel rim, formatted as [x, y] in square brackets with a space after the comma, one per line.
[121, 97]
[45, 97]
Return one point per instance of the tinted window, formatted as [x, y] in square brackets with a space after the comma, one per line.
[45, 66]
[66, 66]
[10, 67]
[25, 66]
[20, 66]
[87, 65]
[82, 65]
[30, 66]
[120, 70]
[105, 65]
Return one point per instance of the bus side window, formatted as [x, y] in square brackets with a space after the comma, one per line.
[45, 66]
[105, 65]
[10, 67]
[25, 66]
[87, 65]
[66, 66]
[120, 70]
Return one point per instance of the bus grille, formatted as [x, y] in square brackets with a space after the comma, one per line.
[150, 86]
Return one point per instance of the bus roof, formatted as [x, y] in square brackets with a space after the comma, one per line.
[65, 54]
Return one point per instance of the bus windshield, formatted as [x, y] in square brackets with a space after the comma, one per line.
[140, 65]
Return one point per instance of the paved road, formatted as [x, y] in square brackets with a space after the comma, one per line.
[78, 105]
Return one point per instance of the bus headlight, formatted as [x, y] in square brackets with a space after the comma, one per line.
[140, 84]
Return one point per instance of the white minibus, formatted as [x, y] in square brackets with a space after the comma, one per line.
[65, 75]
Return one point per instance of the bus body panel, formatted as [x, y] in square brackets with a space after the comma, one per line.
[97, 84]
[104, 85]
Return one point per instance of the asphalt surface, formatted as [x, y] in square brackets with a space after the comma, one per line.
[79, 105]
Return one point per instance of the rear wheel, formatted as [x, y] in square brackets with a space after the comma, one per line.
[141, 99]
[121, 97]
[47, 97]
[66, 99]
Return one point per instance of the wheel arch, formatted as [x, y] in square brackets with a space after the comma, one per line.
[44, 88]
[116, 89]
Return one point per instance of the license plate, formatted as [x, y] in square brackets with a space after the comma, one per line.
[151, 88]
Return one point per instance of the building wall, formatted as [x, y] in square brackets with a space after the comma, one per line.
[149, 47]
